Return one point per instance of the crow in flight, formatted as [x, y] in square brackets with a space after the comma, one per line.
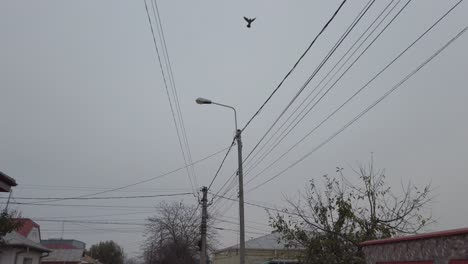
[249, 21]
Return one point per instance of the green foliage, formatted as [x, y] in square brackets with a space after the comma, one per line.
[331, 222]
[7, 224]
[107, 252]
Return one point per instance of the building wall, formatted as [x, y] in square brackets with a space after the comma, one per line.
[254, 256]
[7, 256]
[34, 235]
[440, 250]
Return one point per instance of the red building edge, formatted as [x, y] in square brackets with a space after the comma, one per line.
[453, 232]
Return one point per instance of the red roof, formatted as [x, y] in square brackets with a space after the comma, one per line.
[453, 232]
[26, 226]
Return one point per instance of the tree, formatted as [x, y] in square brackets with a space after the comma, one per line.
[330, 223]
[8, 223]
[173, 235]
[107, 252]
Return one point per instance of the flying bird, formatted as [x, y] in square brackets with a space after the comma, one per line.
[249, 21]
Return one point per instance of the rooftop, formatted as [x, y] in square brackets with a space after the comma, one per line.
[16, 239]
[271, 241]
[26, 226]
[453, 232]
[64, 255]
[63, 244]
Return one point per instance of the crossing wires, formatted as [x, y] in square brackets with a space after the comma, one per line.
[345, 34]
[306, 110]
[370, 107]
[136, 183]
[295, 64]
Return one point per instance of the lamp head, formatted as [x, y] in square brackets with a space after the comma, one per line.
[202, 101]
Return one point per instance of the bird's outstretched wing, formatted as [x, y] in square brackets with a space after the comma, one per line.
[253, 19]
[246, 19]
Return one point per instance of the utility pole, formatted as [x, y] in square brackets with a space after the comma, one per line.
[241, 198]
[8, 202]
[240, 173]
[204, 202]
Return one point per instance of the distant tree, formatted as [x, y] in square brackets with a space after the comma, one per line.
[107, 252]
[330, 222]
[8, 223]
[173, 235]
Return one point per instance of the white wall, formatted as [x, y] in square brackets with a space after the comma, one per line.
[34, 235]
[7, 256]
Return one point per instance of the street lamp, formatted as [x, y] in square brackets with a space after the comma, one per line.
[241, 178]
[207, 101]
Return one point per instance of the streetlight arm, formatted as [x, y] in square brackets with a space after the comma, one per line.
[241, 182]
[233, 109]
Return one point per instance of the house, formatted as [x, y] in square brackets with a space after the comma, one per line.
[67, 251]
[23, 245]
[445, 247]
[258, 251]
[6, 182]
[29, 229]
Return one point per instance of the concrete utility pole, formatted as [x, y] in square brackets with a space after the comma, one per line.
[204, 202]
[8, 202]
[241, 198]
[240, 173]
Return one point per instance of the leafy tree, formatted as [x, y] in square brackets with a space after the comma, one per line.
[107, 252]
[8, 223]
[173, 235]
[330, 223]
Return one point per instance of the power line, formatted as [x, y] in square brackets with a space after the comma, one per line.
[231, 184]
[100, 198]
[81, 231]
[174, 88]
[237, 223]
[282, 134]
[237, 231]
[254, 204]
[295, 64]
[87, 222]
[47, 220]
[84, 205]
[317, 69]
[285, 211]
[325, 59]
[222, 163]
[366, 110]
[87, 188]
[144, 181]
[169, 98]
[364, 86]
[237, 218]
[91, 216]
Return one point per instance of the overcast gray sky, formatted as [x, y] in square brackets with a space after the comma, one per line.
[83, 106]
